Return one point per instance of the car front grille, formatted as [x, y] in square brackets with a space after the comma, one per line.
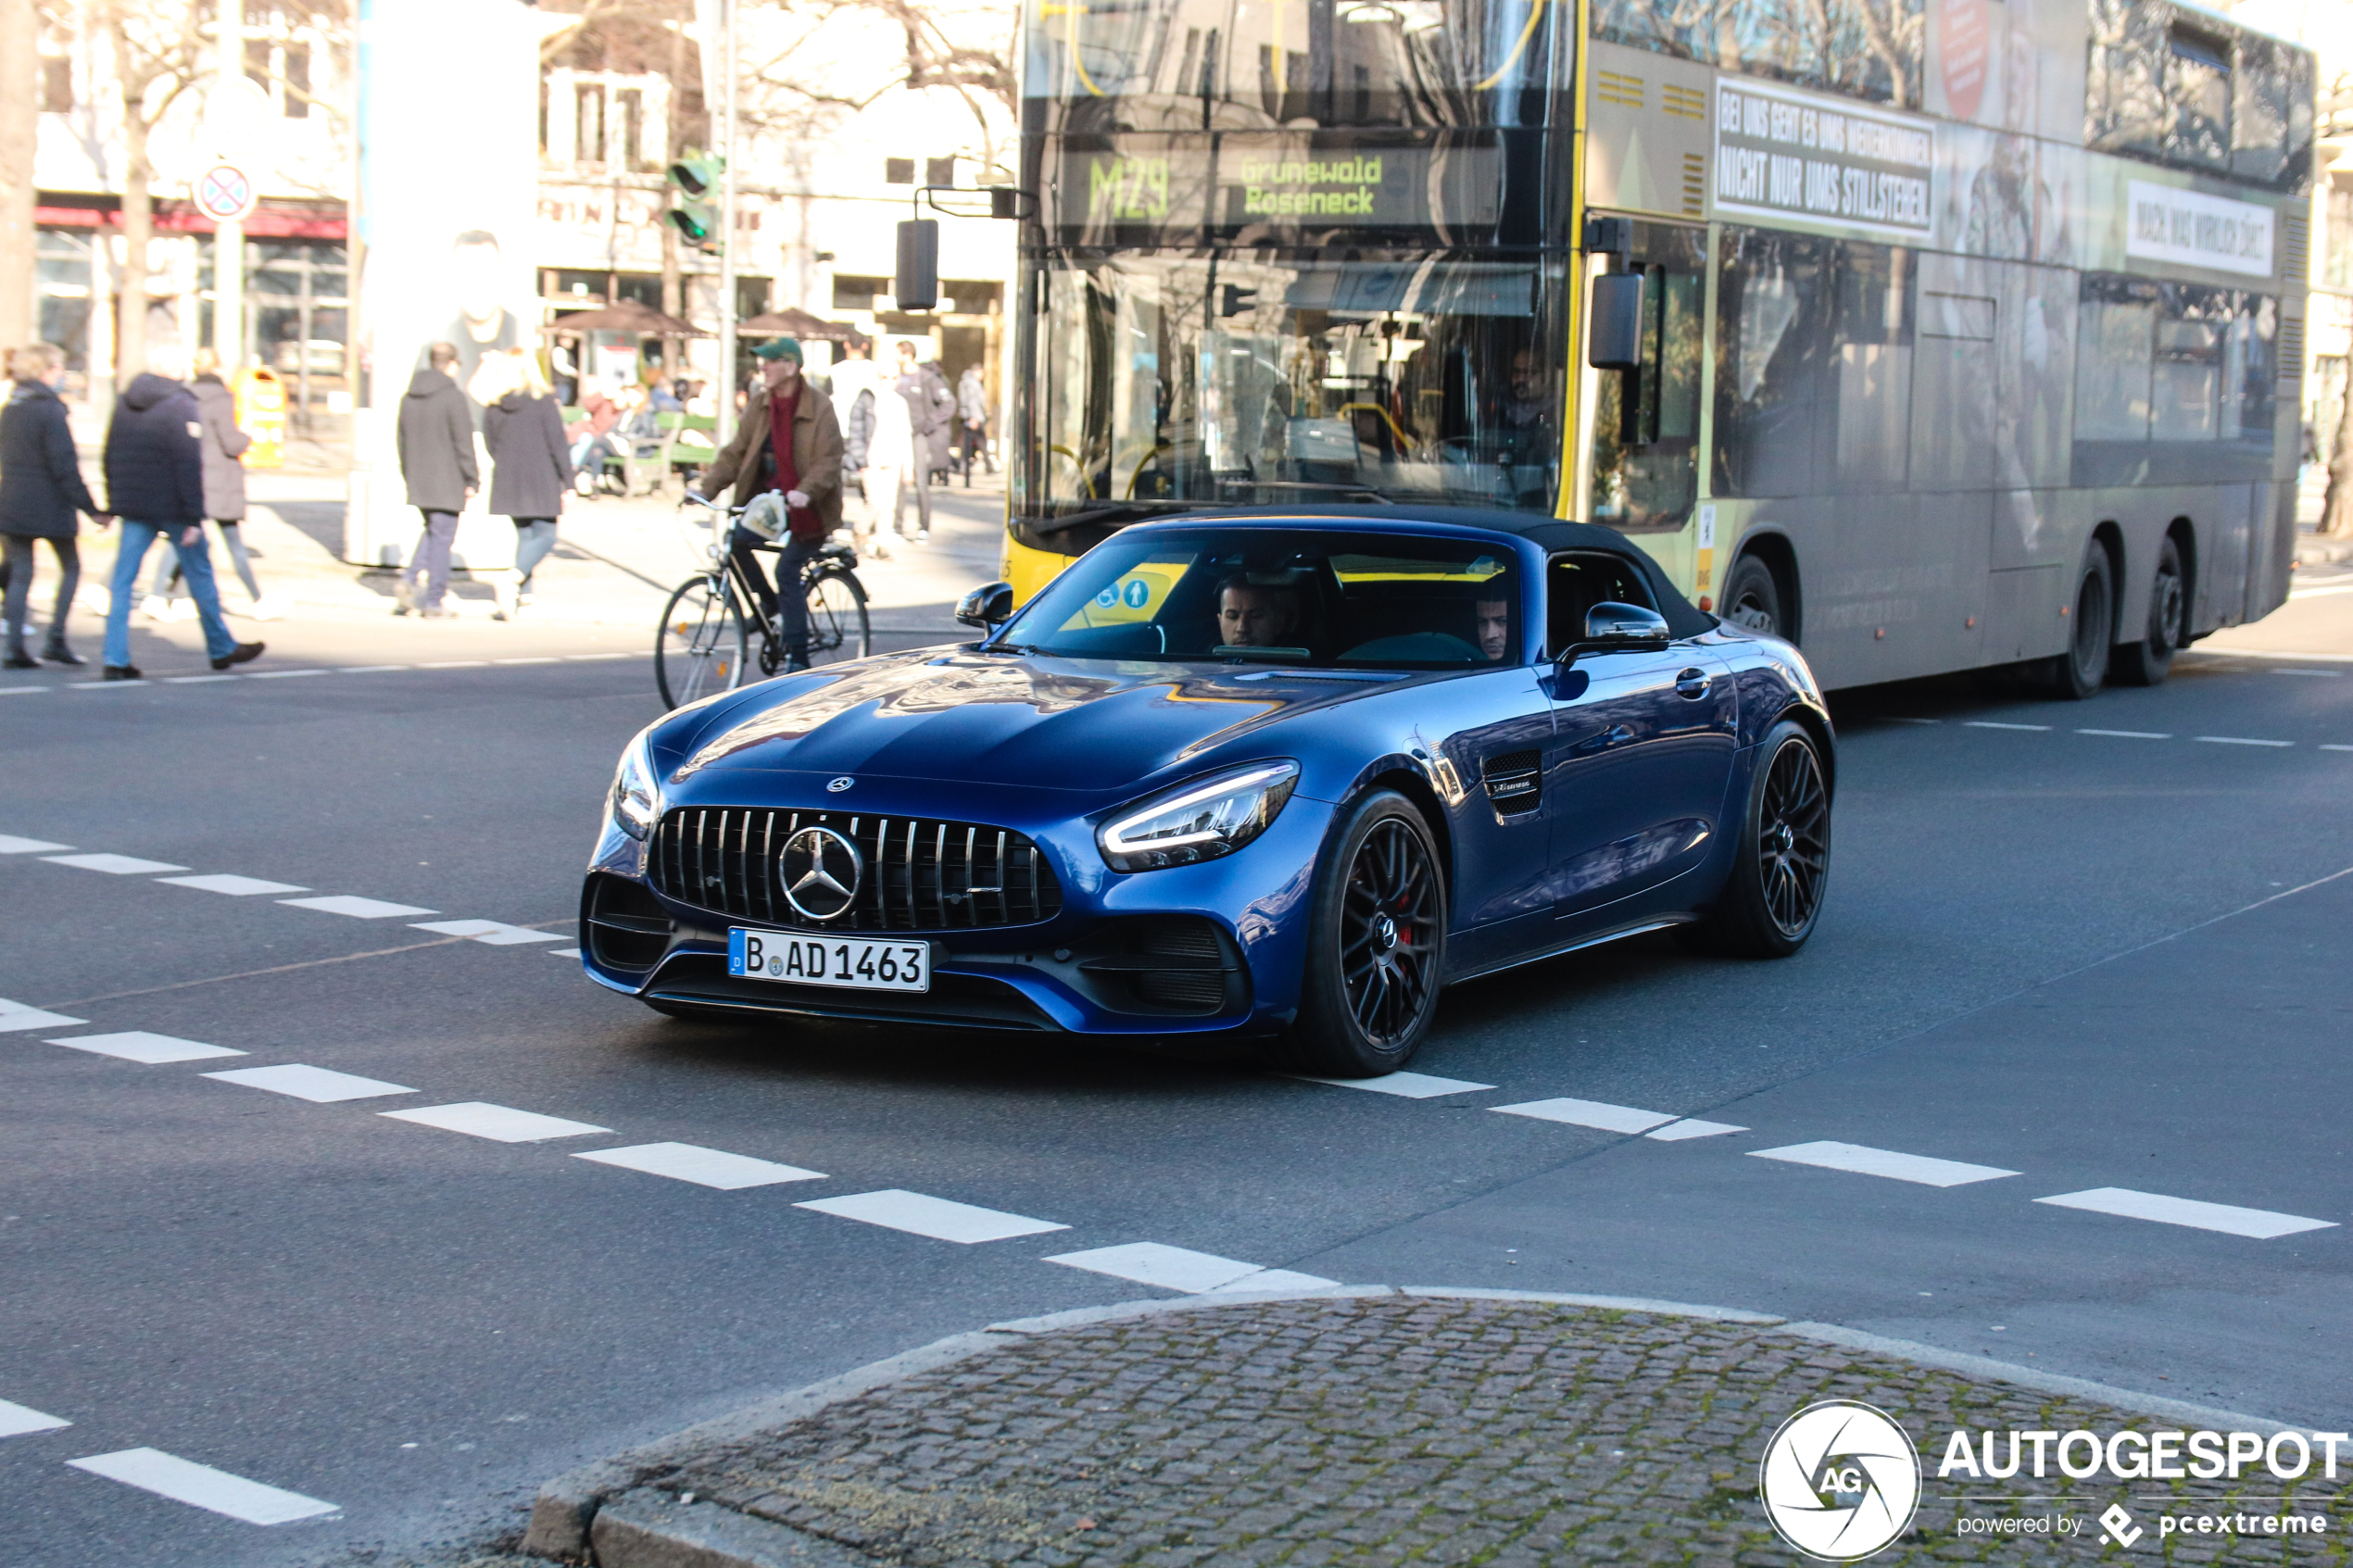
[921, 873]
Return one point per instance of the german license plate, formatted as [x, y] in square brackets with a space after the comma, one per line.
[854, 963]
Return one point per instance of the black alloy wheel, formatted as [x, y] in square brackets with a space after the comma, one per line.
[1773, 897]
[1752, 598]
[2077, 673]
[2148, 661]
[1376, 944]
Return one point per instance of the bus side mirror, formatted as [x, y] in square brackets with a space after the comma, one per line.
[1616, 340]
[917, 285]
[991, 606]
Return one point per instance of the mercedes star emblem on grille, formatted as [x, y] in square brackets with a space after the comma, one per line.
[837, 786]
[821, 870]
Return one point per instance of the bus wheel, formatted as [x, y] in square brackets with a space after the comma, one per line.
[1753, 597]
[2146, 662]
[2077, 673]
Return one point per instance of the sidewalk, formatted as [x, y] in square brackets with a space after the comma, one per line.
[1353, 1427]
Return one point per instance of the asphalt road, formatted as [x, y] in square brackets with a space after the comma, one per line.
[2069, 961]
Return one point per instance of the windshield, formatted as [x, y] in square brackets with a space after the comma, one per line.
[1234, 65]
[1274, 596]
[1232, 381]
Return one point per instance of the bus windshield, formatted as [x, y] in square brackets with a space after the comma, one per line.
[1173, 64]
[1239, 379]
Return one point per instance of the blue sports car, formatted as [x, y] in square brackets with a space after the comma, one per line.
[1274, 777]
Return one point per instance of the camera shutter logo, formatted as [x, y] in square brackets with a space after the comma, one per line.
[820, 870]
[1840, 1480]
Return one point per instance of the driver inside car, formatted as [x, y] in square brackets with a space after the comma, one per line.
[1491, 620]
[1256, 615]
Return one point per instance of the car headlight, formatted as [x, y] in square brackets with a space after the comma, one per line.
[635, 801]
[1199, 820]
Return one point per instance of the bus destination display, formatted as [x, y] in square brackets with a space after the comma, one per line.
[1276, 184]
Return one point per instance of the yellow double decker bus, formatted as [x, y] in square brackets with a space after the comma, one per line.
[1961, 332]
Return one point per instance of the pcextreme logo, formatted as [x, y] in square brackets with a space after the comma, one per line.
[1840, 1480]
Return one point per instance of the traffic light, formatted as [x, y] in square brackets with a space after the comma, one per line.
[695, 176]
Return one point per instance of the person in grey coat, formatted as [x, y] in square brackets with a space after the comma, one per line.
[41, 489]
[224, 487]
[530, 470]
[436, 434]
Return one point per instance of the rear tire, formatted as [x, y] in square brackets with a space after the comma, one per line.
[2077, 673]
[700, 650]
[1773, 897]
[2148, 661]
[837, 628]
[1376, 944]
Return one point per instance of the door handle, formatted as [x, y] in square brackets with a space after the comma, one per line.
[1616, 735]
[1692, 683]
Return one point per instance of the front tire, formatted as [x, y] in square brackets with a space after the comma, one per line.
[2077, 673]
[2148, 661]
[700, 649]
[1376, 944]
[1773, 897]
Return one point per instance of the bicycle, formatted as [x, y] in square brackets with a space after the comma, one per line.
[707, 628]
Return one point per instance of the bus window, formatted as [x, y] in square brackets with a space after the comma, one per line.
[2174, 382]
[1868, 49]
[1574, 583]
[1645, 438]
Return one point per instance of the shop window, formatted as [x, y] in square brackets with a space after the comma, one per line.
[297, 91]
[854, 293]
[939, 171]
[56, 84]
[899, 171]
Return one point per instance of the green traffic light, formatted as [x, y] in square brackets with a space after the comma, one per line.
[696, 173]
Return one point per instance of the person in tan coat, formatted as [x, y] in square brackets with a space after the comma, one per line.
[806, 468]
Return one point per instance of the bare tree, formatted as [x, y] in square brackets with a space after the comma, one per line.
[19, 133]
[158, 52]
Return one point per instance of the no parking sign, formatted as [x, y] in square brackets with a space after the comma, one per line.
[225, 194]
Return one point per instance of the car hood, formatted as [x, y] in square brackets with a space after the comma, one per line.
[998, 719]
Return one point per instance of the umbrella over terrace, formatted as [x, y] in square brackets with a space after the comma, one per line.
[626, 316]
[796, 324]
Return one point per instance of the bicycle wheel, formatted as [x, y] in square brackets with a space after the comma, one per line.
[700, 649]
[837, 628]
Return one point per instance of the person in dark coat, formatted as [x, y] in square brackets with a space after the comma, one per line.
[41, 489]
[436, 438]
[530, 468]
[155, 482]
[224, 488]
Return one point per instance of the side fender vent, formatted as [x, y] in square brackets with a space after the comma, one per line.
[1514, 782]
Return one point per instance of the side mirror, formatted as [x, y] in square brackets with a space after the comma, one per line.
[1609, 623]
[993, 605]
[1615, 342]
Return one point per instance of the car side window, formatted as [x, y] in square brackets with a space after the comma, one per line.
[1576, 582]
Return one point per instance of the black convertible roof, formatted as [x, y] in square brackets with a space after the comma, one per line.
[1547, 534]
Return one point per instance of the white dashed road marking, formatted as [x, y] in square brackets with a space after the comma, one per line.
[113, 865]
[357, 907]
[1998, 724]
[1408, 1086]
[563, 952]
[17, 1015]
[12, 845]
[1590, 1113]
[498, 1122]
[197, 679]
[319, 1086]
[2127, 735]
[185, 1481]
[137, 1045]
[285, 674]
[2239, 740]
[2260, 1223]
[495, 933]
[1692, 1127]
[1176, 1268]
[705, 1167]
[1865, 1162]
[235, 886]
[934, 1217]
[17, 1420]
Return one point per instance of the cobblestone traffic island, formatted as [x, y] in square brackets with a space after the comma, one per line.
[1376, 1429]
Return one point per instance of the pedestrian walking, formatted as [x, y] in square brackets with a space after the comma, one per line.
[224, 491]
[530, 469]
[972, 416]
[788, 442]
[890, 448]
[41, 490]
[437, 440]
[856, 380]
[155, 484]
[932, 409]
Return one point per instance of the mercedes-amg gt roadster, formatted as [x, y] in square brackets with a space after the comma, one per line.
[1256, 776]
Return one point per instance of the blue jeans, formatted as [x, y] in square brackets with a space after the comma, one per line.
[790, 564]
[196, 568]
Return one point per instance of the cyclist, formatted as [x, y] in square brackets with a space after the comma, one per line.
[788, 441]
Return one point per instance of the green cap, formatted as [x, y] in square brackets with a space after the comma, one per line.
[781, 348]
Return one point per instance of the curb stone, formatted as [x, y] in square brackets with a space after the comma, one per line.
[608, 1506]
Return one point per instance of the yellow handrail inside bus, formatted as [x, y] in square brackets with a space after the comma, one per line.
[1535, 15]
[1142, 462]
[1073, 13]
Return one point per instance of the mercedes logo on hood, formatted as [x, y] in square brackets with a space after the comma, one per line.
[821, 870]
